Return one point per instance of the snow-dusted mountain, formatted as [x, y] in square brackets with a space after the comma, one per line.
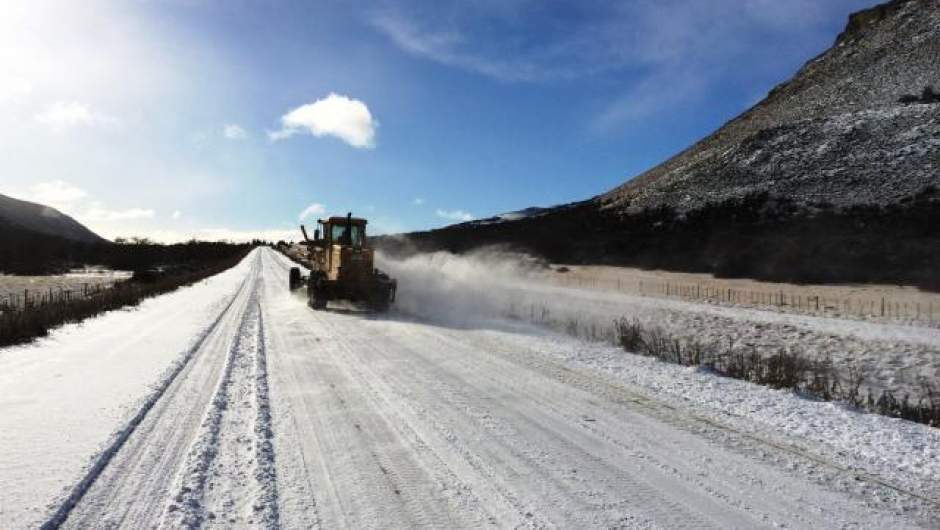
[837, 133]
[22, 216]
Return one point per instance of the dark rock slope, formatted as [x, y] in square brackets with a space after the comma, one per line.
[836, 134]
[23, 216]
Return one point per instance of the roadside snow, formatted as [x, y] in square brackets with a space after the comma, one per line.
[63, 397]
[905, 454]
[462, 289]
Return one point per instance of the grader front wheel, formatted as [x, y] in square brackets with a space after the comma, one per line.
[294, 281]
[317, 293]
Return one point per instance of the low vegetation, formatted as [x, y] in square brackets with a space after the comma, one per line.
[927, 96]
[34, 321]
[789, 370]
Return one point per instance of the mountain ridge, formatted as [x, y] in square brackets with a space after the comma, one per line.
[885, 52]
[18, 215]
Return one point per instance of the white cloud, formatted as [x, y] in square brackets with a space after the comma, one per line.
[76, 202]
[176, 214]
[312, 210]
[664, 90]
[418, 201]
[335, 115]
[233, 131]
[63, 115]
[455, 215]
[450, 47]
[98, 213]
[55, 193]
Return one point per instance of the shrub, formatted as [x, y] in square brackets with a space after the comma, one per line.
[17, 327]
[784, 370]
[929, 95]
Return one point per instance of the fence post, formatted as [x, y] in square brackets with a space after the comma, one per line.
[882, 306]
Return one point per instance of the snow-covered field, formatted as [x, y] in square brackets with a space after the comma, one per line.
[230, 403]
[13, 289]
[902, 304]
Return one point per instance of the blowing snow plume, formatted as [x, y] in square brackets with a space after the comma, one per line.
[494, 287]
[454, 289]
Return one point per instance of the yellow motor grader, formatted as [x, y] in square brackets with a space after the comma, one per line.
[342, 266]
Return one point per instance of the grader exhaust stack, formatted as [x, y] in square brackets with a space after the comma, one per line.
[342, 266]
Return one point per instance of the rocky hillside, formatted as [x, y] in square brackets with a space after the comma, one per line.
[836, 134]
[23, 216]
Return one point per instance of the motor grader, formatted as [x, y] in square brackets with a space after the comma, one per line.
[342, 266]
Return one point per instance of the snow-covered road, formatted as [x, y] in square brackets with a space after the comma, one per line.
[273, 415]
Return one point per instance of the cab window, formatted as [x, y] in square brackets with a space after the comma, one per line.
[339, 235]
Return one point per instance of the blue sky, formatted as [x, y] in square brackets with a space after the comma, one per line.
[228, 119]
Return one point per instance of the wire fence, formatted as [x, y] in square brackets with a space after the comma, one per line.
[865, 307]
[28, 299]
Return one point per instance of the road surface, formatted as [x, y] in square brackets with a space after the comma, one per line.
[280, 416]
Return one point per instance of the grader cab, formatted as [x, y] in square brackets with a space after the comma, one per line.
[342, 266]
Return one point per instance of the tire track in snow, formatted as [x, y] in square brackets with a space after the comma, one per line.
[99, 463]
[524, 443]
[229, 476]
[685, 419]
[297, 505]
[266, 473]
[731, 487]
[366, 468]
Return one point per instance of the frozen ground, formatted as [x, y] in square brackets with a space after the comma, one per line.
[230, 403]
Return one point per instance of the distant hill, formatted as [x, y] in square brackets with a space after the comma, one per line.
[834, 177]
[24, 216]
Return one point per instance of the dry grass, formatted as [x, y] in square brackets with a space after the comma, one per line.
[889, 302]
[786, 369]
[817, 379]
